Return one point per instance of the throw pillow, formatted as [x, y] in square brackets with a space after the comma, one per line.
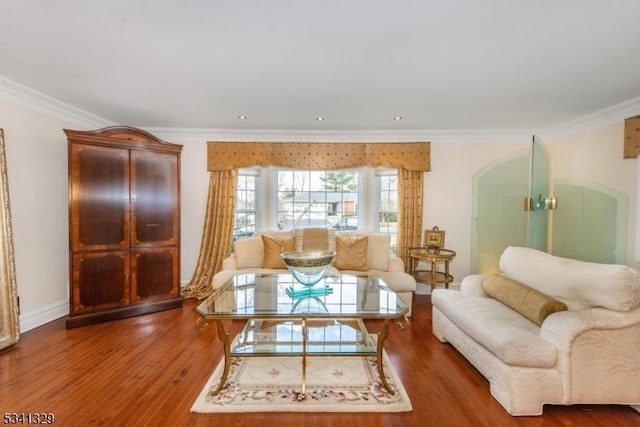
[351, 253]
[248, 252]
[273, 247]
[530, 303]
[378, 248]
[315, 238]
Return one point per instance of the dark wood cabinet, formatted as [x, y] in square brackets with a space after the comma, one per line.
[124, 224]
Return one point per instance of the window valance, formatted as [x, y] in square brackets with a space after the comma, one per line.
[412, 156]
[631, 137]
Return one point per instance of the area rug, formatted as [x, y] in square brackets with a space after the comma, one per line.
[334, 384]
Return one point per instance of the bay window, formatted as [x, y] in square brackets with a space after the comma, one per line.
[349, 199]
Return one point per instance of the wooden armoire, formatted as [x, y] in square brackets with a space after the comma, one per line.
[124, 224]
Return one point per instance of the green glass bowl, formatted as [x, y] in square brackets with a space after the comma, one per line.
[308, 267]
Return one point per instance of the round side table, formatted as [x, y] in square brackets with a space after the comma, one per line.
[433, 256]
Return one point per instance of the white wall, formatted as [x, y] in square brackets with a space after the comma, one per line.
[194, 190]
[36, 151]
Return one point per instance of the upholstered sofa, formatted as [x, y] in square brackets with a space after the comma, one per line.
[579, 343]
[358, 252]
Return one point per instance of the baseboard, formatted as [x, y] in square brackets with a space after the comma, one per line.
[39, 317]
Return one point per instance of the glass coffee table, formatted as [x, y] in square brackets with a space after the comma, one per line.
[285, 318]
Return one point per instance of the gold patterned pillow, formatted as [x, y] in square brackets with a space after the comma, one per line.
[273, 247]
[351, 253]
[530, 303]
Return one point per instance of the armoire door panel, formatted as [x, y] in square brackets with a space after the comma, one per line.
[99, 197]
[154, 198]
[155, 273]
[100, 281]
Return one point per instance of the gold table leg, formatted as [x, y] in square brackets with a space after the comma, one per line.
[382, 336]
[303, 394]
[226, 343]
[434, 266]
[447, 276]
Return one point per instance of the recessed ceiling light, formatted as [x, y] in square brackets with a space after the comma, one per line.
[397, 118]
[320, 119]
[242, 117]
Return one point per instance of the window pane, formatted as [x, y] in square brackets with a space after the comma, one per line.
[388, 207]
[316, 183]
[246, 207]
[317, 199]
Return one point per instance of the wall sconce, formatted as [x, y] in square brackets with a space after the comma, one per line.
[540, 203]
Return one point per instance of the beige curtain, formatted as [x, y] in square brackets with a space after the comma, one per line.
[217, 234]
[410, 194]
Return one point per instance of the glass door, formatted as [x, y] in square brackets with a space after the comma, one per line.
[538, 215]
[499, 218]
[587, 222]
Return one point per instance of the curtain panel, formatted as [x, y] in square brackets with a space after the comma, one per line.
[217, 233]
[410, 196]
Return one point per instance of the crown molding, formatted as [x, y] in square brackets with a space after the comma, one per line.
[184, 135]
[607, 116]
[480, 136]
[45, 104]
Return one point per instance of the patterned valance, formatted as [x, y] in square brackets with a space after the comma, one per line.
[631, 137]
[413, 156]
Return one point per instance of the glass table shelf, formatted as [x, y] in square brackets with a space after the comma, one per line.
[264, 337]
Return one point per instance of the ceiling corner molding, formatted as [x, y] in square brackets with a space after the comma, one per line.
[282, 135]
[479, 136]
[185, 135]
[597, 119]
[36, 101]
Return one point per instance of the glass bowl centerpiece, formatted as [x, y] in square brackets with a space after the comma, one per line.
[308, 267]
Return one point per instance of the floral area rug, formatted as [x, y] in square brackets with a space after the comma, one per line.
[334, 384]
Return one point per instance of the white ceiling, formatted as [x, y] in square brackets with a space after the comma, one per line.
[199, 64]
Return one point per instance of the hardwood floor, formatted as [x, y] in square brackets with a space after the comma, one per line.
[148, 370]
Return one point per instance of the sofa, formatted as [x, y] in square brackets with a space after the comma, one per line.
[547, 330]
[357, 252]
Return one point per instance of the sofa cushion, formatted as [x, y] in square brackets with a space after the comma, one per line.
[378, 248]
[315, 238]
[273, 247]
[249, 252]
[502, 331]
[351, 253]
[579, 284]
[532, 304]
